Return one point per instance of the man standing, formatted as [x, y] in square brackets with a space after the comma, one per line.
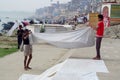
[19, 35]
[75, 22]
[99, 35]
[27, 49]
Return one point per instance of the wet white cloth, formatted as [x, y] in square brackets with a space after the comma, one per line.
[71, 69]
[84, 37]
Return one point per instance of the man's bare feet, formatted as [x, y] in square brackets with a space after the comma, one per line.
[25, 68]
[97, 58]
[29, 67]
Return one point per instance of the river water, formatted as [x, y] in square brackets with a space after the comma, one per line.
[6, 16]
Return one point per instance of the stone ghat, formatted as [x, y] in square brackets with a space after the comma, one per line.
[112, 32]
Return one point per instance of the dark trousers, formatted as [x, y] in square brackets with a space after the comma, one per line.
[19, 42]
[98, 45]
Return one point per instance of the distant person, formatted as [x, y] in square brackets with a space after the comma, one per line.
[27, 49]
[42, 27]
[31, 22]
[75, 22]
[20, 32]
[99, 36]
[84, 19]
[41, 22]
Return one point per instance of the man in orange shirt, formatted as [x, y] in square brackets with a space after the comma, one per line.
[99, 36]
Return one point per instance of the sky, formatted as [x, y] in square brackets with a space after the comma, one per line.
[26, 5]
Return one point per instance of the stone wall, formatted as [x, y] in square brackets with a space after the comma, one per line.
[112, 32]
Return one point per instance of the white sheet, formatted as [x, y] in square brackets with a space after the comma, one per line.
[76, 76]
[80, 69]
[28, 77]
[71, 69]
[83, 37]
[45, 75]
[83, 65]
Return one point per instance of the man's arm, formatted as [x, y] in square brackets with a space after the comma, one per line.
[27, 35]
[94, 27]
